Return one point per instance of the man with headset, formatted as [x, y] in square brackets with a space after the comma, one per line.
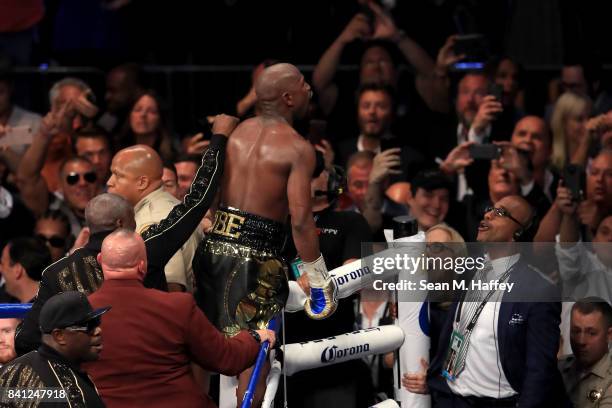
[499, 348]
[340, 236]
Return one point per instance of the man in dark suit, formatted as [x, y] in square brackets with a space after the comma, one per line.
[508, 357]
[479, 118]
[148, 364]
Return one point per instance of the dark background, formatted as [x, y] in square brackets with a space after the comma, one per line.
[198, 54]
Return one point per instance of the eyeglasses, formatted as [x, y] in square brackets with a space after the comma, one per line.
[502, 212]
[89, 328]
[73, 178]
[54, 240]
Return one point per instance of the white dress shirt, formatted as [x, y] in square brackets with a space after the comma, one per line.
[483, 375]
[583, 273]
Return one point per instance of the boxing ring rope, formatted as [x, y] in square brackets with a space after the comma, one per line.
[14, 310]
[247, 400]
[291, 365]
[350, 278]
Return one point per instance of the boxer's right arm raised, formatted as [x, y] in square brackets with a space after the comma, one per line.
[322, 302]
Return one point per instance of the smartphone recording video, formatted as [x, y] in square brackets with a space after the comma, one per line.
[497, 91]
[574, 178]
[475, 49]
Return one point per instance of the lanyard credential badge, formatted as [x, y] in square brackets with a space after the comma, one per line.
[451, 364]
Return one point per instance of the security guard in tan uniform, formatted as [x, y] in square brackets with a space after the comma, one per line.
[149, 211]
[136, 175]
[588, 373]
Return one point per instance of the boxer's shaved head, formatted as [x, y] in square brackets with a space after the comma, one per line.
[275, 80]
[282, 90]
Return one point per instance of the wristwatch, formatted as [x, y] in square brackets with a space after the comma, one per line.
[255, 335]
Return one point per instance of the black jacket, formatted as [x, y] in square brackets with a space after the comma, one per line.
[46, 368]
[81, 271]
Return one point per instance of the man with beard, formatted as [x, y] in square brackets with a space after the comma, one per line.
[375, 115]
[7, 340]
[479, 119]
[241, 280]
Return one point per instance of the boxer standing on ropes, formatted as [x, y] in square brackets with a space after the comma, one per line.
[241, 279]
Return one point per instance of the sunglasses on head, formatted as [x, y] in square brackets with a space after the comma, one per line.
[73, 177]
[54, 240]
[89, 326]
[502, 212]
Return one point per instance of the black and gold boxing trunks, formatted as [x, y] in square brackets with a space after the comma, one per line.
[241, 279]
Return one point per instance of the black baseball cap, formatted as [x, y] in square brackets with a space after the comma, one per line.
[68, 309]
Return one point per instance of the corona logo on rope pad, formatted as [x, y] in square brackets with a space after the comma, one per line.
[356, 274]
[332, 353]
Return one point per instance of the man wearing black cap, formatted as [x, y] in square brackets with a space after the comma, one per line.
[71, 336]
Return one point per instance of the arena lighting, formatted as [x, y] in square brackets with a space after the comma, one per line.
[466, 66]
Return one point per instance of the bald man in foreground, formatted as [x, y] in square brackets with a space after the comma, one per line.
[241, 280]
[156, 335]
[136, 175]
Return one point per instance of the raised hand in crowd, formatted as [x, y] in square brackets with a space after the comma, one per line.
[357, 29]
[589, 214]
[328, 152]
[600, 123]
[385, 163]
[515, 162]
[417, 382]
[248, 101]
[601, 128]
[567, 204]
[384, 26]
[447, 57]
[196, 145]
[458, 159]
[54, 121]
[565, 201]
[487, 112]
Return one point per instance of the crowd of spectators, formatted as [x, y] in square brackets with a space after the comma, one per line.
[437, 142]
